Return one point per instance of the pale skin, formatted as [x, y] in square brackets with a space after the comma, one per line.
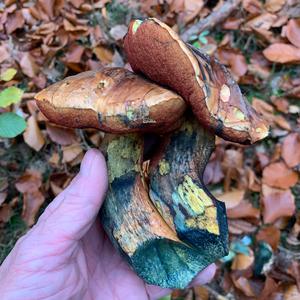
[67, 255]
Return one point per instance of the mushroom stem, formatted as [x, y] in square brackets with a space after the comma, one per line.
[181, 229]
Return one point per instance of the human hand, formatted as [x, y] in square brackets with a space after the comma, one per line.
[67, 255]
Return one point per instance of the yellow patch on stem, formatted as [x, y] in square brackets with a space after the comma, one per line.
[201, 204]
[164, 167]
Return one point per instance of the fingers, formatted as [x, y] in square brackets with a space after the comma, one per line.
[205, 276]
[71, 214]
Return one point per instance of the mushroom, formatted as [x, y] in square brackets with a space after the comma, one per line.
[156, 51]
[165, 222]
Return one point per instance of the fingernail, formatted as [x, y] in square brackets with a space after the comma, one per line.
[87, 163]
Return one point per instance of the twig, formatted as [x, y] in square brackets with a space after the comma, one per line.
[215, 293]
[217, 16]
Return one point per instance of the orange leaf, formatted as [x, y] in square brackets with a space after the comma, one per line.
[291, 150]
[243, 210]
[277, 203]
[279, 175]
[282, 53]
[293, 32]
[31, 204]
[33, 135]
[29, 182]
[60, 135]
[274, 5]
[270, 235]
[242, 261]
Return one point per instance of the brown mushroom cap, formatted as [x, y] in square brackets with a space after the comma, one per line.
[113, 100]
[156, 51]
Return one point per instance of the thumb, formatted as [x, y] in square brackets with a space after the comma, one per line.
[71, 213]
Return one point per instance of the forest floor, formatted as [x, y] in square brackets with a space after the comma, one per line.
[44, 41]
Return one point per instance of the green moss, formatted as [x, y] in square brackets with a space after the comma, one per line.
[164, 167]
[123, 155]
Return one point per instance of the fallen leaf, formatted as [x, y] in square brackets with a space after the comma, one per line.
[29, 182]
[281, 104]
[32, 201]
[277, 203]
[8, 74]
[234, 59]
[252, 6]
[291, 150]
[3, 196]
[279, 175]
[282, 122]
[14, 21]
[4, 55]
[243, 284]
[274, 5]
[28, 65]
[103, 54]
[243, 210]
[291, 293]
[5, 213]
[242, 261]
[201, 293]
[60, 135]
[270, 287]
[275, 52]
[292, 31]
[232, 198]
[33, 135]
[118, 32]
[191, 9]
[262, 22]
[71, 152]
[270, 235]
[74, 54]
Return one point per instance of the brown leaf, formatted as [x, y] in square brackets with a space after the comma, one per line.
[243, 210]
[270, 287]
[4, 55]
[32, 201]
[293, 32]
[103, 54]
[242, 261]
[270, 235]
[282, 122]
[33, 135]
[74, 54]
[60, 135]
[232, 198]
[191, 9]
[118, 32]
[234, 59]
[291, 150]
[29, 182]
[281, 104]
[274, 5]
[14, 21]
[279, 175]
[262, 22]
[3, 196]
[275, 53]
[277, 203]
[291, 293]
[28, 65]
[71, 152]
[5, 213]
[201, 293]
[243, 284]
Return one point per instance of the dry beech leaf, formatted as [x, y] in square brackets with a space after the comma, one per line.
[60, 135]
[104, 54]
[71, 152]
[243, 210]
[277, 203]
[292, 31]
[232, 198]
[243, 284]
[28, 65]
[242, 261]
[74, 54]
[33, 135]
[279, 175]
[270, 287]
[5, 213]
[281, 104]
[234, 59]
[270, 235]
[282, 122]
[3, 196]
[274, 5]
[32, 202]
[191, 10]
[252, 6]
[275, 53]
[291, 150]
[291, 293]
[29, 182]
[14, 21]
[237, 226]
[201, 293]
[262, 22]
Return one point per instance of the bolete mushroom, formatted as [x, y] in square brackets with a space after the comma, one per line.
[156, 51]
[166, 224]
